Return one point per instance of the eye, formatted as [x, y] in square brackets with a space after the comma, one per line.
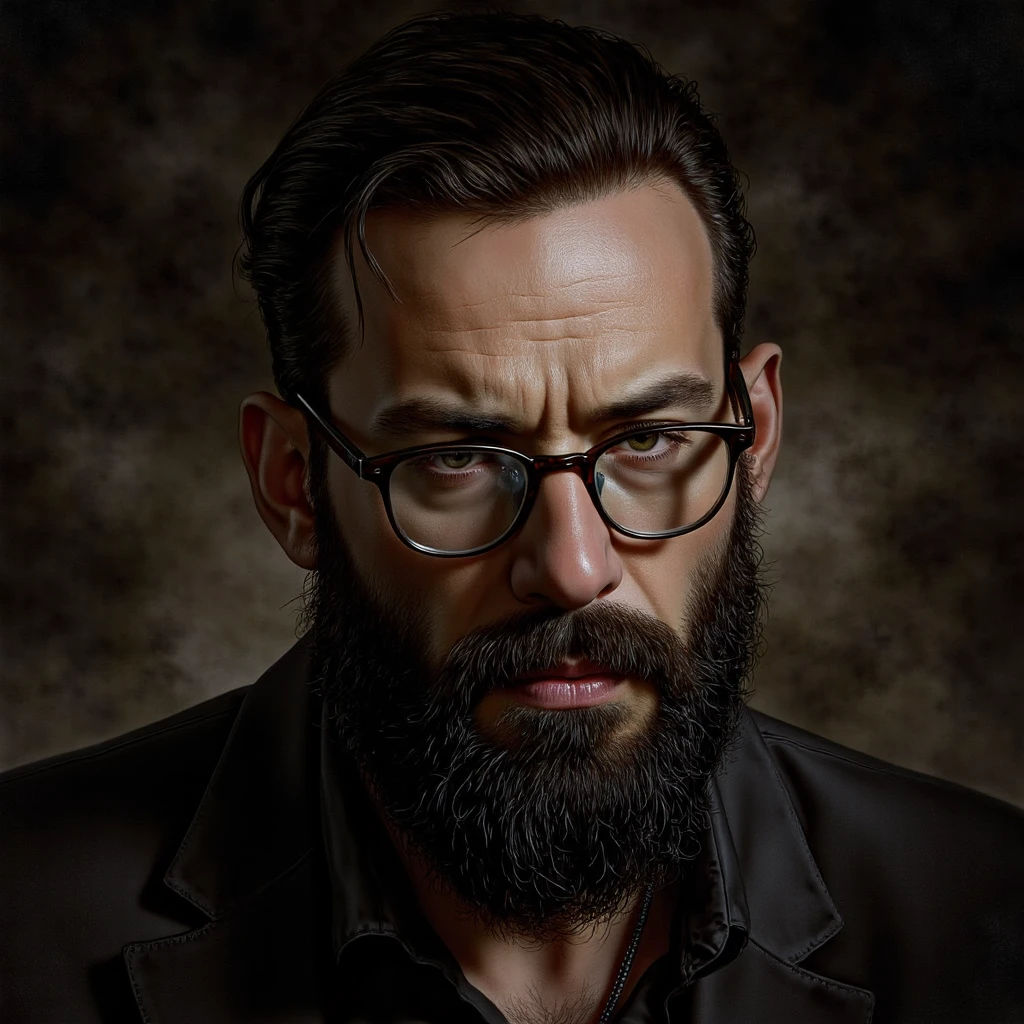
[456, 460]
[650, 446]
[643, 442]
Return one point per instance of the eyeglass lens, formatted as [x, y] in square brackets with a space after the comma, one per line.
[649, 483]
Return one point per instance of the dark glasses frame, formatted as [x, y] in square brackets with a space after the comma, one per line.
[378, 469]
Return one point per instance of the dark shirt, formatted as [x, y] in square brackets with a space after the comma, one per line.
[208, 869]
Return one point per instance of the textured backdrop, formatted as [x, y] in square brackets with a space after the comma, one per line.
[884, 161]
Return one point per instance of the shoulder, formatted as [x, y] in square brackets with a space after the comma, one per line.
[853, 790]
[927, 870]
[140, 760]
[96, 820]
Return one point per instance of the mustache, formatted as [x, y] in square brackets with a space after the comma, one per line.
[624, 640]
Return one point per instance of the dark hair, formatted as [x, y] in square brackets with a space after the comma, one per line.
[504, 115]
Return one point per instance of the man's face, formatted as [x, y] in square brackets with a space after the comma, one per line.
[531, 813]
[546, 324]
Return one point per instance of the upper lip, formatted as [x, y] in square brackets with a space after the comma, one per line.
[575, 669]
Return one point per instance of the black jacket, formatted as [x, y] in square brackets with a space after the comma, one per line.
[177, 874]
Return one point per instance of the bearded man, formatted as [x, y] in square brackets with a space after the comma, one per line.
[508, 773]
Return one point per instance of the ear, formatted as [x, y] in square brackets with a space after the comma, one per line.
[761, 368]
[275, 450]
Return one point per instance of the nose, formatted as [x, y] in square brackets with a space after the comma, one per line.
[564, 554]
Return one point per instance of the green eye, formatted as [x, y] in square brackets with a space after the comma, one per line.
[457, 460]
[643, 442]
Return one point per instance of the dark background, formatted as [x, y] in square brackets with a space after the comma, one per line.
[884, 159]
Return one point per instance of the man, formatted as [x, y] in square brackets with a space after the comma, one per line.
[507, 774]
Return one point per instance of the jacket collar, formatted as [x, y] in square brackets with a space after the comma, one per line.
[765, 853]
[250, 855]
[259, 815]
[370, 889]
[765, 861]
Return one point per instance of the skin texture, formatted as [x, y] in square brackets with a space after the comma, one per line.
[545, 322]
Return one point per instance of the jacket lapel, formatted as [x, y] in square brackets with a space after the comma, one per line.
[788, 913]
[261, 964]
[759, 986]
[249, 863]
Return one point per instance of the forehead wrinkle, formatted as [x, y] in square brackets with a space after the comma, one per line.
[515, 388]
[451, 323]
[498, 335]
[426, 296]
[509, 304]
[469, 362]
[615, 319]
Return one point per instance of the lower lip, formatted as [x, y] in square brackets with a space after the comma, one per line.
[584, 692]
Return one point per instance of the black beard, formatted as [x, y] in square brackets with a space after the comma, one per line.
[553, 821]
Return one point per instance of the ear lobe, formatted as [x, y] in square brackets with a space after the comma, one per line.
[275, 449]
[762, 373]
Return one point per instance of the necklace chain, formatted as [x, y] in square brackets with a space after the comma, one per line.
[627, 961]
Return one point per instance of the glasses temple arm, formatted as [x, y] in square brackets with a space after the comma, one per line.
[740, 395]
[347, 451]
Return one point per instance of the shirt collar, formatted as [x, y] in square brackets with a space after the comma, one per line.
[371, 892]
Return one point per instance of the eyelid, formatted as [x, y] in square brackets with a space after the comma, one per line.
[652, 425]
[495, 442]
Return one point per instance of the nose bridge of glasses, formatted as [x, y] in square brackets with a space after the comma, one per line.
[576, 463]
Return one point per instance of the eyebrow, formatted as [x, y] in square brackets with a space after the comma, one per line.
[424, 415]
[686, 390]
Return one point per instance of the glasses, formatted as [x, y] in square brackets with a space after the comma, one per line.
[456, 500]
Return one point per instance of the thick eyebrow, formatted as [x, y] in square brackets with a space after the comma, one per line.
[425, 415]
[687, 391]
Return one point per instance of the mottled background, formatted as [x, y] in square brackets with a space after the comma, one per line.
[884, 160]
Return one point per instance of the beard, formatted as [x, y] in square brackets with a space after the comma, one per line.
[553, 819]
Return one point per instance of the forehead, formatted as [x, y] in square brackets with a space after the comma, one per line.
[561, 307]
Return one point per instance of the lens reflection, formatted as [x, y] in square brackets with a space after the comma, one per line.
[662, 481]
[457, 500]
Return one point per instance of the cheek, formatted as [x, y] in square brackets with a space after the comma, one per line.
[453, 596]
[383, 562]
[666, 574]
[361, 518]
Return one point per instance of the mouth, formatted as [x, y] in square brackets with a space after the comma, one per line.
[578, 684]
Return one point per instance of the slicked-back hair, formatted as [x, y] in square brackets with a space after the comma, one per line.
[496, 114]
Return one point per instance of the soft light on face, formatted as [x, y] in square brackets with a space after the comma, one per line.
[463, 688]
[547, 328]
